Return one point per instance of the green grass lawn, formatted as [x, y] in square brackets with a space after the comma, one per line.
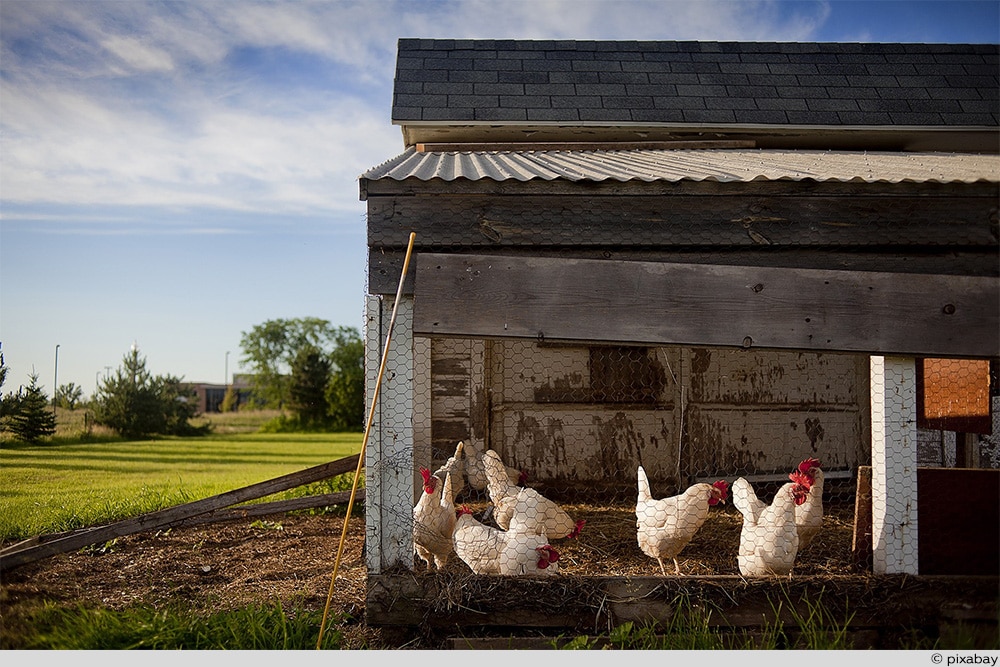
[69, 484]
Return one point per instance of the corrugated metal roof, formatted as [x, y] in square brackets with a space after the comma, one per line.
[690, 165]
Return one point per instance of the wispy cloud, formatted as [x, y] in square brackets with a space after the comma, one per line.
[262, 106]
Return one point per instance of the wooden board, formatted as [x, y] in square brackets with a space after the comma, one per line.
[385, 263]
[859, 220]
[581, 604]
[697, 304]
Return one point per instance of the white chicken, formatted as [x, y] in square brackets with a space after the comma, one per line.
[516, 551]
[434, 521]
[475, 469]
[665, 526]
[808, 514]
[769, 539]
[516, 503]
[454, 466]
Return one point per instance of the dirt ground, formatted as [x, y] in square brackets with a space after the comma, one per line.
[291, 557]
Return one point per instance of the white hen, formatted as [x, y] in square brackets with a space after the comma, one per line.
[475, 468]
[434, 521]
[769, 539]
[454, 466]
[808, 514]
[516, 551]
[523, 504]
[665, 526]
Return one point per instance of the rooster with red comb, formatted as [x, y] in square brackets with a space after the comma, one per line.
[809, 514]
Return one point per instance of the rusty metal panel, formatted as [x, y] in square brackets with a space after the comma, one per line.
[954, 395]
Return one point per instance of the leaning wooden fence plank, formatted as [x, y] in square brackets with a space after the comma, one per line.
[225, 514]
[265, 509]
[19, 555]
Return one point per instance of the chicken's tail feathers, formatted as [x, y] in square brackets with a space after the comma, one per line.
[744, 499]
[644, 494]
[448, 492]
[497, 482]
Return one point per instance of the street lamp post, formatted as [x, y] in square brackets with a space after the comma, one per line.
[55, 381]
[225, 380]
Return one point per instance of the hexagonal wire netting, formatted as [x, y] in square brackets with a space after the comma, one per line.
[543, 458]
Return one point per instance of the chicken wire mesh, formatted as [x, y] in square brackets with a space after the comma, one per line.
[649, 460]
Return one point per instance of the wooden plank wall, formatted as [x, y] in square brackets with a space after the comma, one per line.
[742, 412]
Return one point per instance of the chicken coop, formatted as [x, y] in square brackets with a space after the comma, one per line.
[709, 260]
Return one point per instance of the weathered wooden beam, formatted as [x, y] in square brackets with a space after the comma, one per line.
[693, 304]
[857, 220]
[384, 264]
[582, 603]
[31, 550]
[268, 509]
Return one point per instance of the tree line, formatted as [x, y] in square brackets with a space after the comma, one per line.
[309, 369]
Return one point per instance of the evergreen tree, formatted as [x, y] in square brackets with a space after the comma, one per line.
[136, 404]
[307, 389]
[33, 419]
[179, 403]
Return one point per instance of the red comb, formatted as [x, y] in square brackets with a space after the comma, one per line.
[426, 473]
[808, 465]
[722, 485]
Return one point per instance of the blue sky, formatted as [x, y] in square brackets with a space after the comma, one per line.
[173, 174]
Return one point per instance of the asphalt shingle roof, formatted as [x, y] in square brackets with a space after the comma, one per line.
[701, 83]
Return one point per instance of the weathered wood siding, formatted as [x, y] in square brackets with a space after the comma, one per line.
[759, 412]
[589, 415]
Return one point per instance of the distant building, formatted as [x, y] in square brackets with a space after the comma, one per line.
[211, 396]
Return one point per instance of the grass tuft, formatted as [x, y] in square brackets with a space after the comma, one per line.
[257, 627]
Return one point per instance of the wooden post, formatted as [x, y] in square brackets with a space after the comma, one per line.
[894, 466]
[861, 548]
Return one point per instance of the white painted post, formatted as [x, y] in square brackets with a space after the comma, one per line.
[389, 452]
[894, 465]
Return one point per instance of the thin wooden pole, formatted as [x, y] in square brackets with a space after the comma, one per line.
[364, 441]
